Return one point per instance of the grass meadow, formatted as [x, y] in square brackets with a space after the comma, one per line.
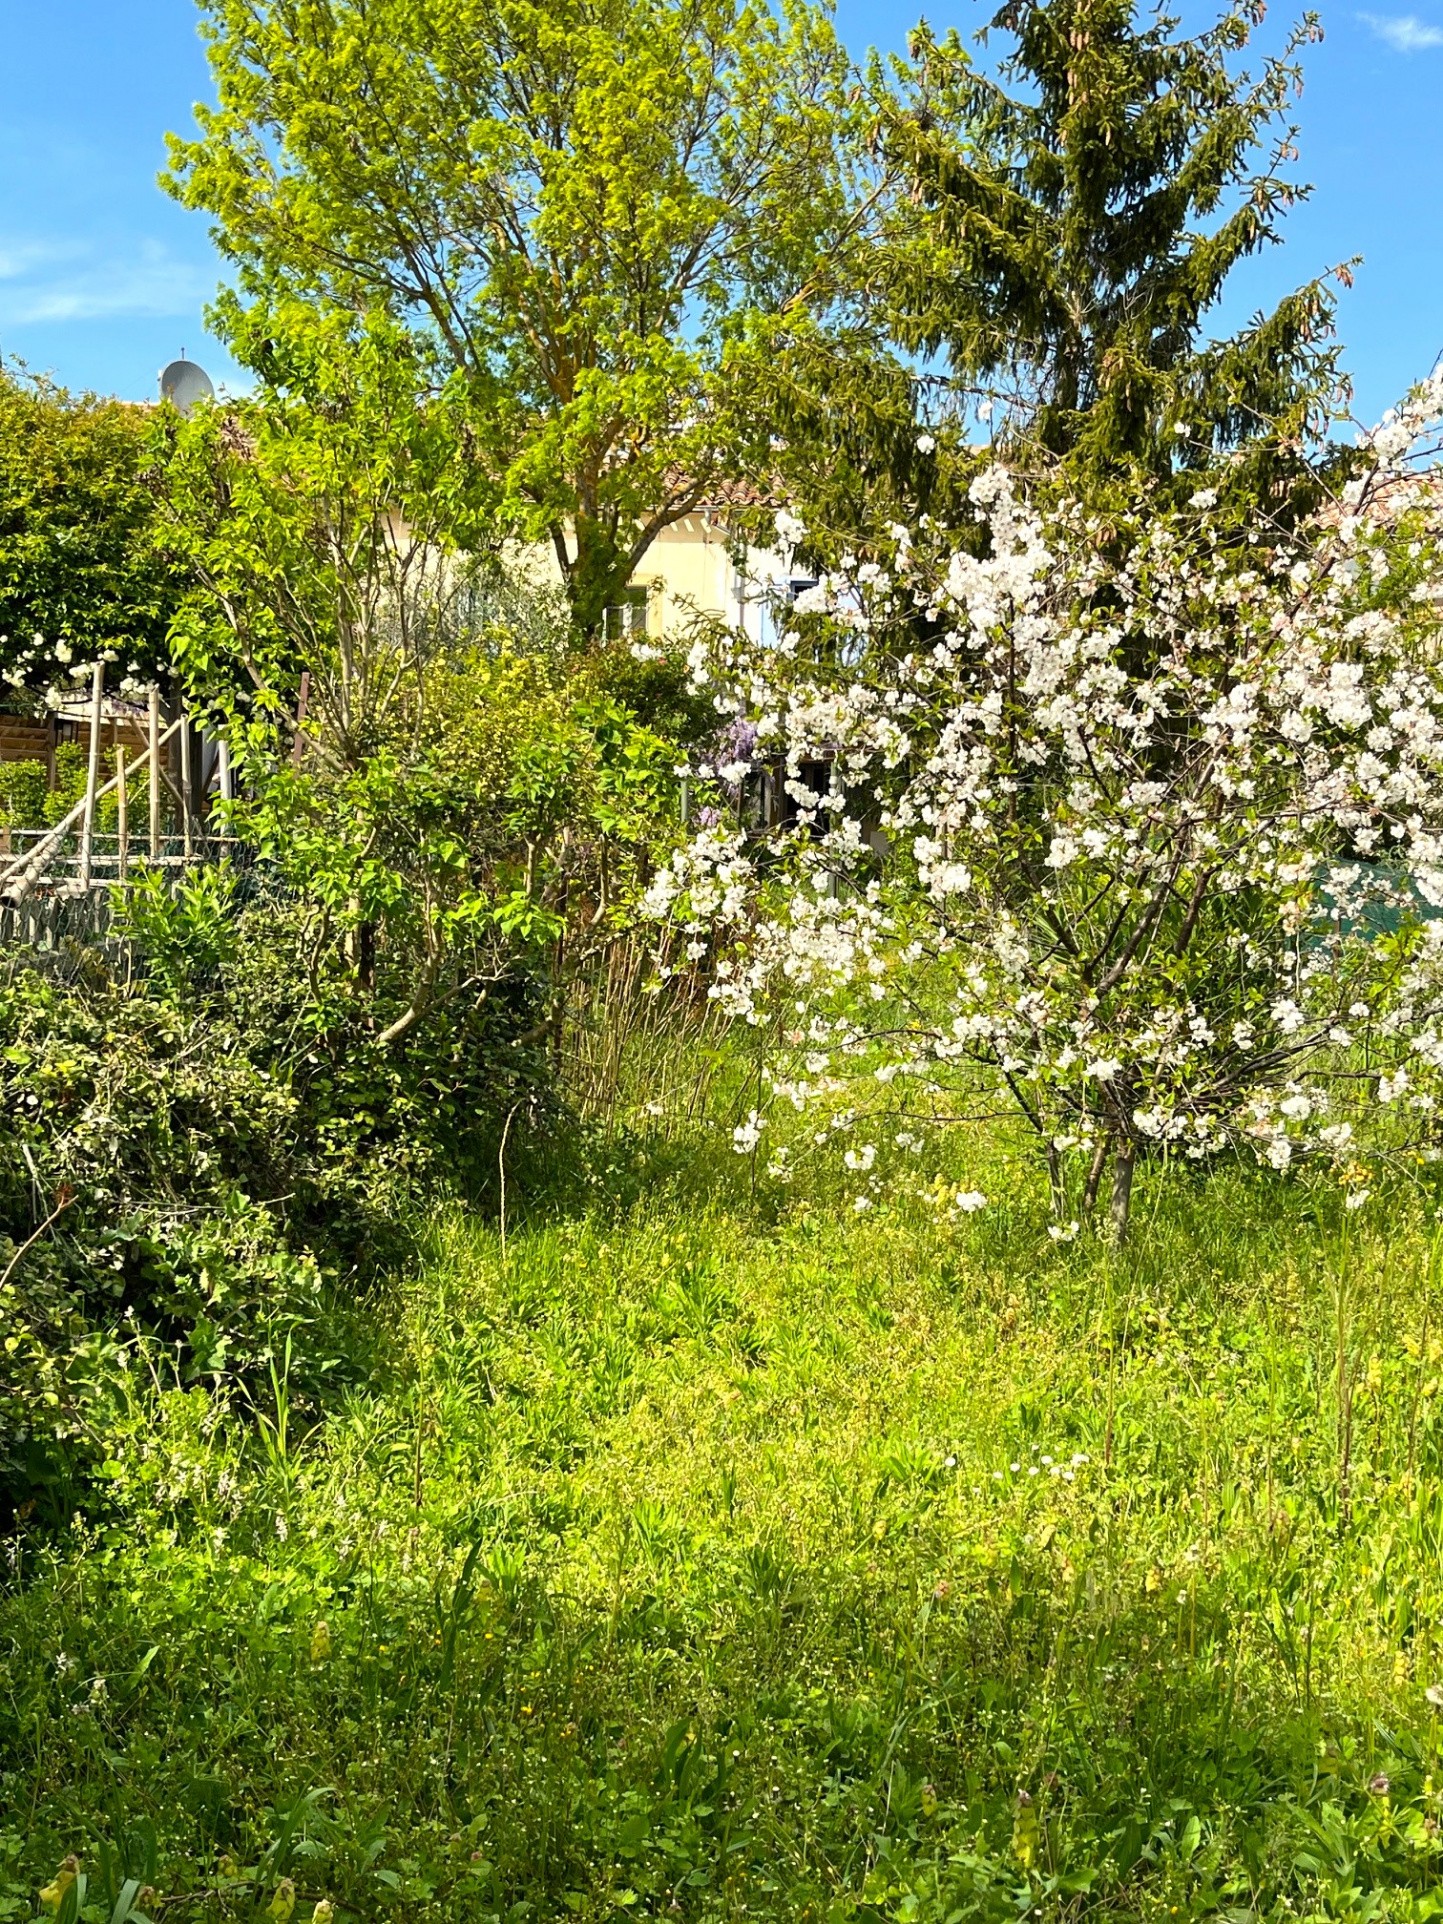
[733, 1555]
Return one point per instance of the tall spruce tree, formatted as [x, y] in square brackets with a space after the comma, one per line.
[1066, 226]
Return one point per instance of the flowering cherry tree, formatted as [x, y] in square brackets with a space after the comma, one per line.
[1136, 823]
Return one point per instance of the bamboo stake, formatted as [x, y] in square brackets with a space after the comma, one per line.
[155, 774]
[122, 802]
[186, 828]
[227, 793]
[92, 773]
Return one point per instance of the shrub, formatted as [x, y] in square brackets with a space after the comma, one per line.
[23, 789]
[216, 1149]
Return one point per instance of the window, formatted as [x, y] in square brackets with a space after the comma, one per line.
[627, 616]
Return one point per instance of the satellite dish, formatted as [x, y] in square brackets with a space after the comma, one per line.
[184, 383]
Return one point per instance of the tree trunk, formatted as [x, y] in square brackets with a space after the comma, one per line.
[1094, 1175]
[1056, 1182]
[1123, 1165]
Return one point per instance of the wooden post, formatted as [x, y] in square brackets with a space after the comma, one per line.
[92, 773]
[122, 804]
[155, 774]
[186, 797]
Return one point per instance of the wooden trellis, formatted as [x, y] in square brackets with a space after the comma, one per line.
[73, 859]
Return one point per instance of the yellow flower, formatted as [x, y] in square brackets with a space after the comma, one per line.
[1026, 1831]
[53, 1894]
[284, 1901]
[321, 1642]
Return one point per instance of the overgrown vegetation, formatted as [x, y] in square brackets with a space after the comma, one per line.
[701, 1560]
[558, 1357]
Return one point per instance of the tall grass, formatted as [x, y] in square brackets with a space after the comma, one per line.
[739, 1556]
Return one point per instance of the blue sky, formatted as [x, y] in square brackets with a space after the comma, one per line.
[103, 279]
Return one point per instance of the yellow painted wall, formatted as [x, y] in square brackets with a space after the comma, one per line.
[687, 571]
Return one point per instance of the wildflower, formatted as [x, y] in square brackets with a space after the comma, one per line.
[323, 1913]
[53, 1895]
[748, 1134]
[1379, 1784]
[284, 1901]
[321, 1641]
[1434, 1695]
[1025, 1831]
[925, 443]
[969, 1201]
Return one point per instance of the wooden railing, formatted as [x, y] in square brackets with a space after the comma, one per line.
[73, 857]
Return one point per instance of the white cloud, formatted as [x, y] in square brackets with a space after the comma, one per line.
[21, 258]
[1404, 32]
[44, 281]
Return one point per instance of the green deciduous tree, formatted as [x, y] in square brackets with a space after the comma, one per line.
[78, 575]
[317, 523]
[456, 799]
[585, 208]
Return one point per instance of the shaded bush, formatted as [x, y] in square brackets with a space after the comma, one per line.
[212, 1146]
